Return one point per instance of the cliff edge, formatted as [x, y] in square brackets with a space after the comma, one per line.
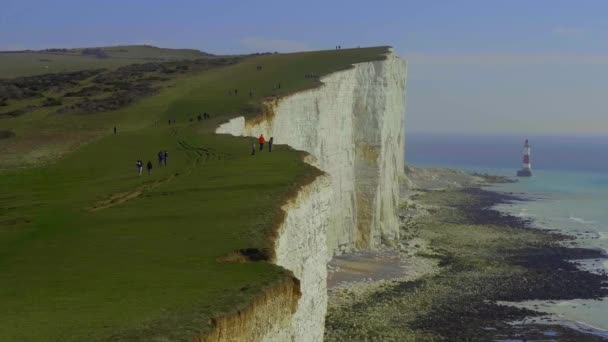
[353, 128]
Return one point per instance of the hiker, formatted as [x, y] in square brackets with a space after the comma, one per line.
[114, 130]
[149, 166]
[169, 121]
[160, 158]
[270, 144]
[140, 166]
[252, 148]
[199, 117]
[165, 157]
[279, 85]
[236, 91]
[261, 140]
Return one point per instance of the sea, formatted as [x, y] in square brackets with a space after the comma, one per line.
[569, 188]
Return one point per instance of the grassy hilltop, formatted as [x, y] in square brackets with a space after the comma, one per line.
[91, 251]
[30, 63]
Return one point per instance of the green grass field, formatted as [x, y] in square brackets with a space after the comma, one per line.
[29, 63]
[143, 267]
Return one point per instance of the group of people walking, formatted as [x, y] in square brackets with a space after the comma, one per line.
[163, 156]
[236, 92]
[199, 117]
[261, 142]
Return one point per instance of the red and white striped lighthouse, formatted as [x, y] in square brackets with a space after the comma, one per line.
[526, 168]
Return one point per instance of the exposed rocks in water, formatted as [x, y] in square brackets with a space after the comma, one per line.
[485, 257]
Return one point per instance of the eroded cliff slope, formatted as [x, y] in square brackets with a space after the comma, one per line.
[353, 127]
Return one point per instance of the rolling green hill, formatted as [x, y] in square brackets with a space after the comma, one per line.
[29, 63]
[91, 251]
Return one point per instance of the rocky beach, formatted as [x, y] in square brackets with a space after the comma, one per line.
[457, 262]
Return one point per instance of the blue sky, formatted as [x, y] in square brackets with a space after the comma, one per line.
[474, 66]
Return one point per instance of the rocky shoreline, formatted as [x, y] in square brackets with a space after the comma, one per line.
[483, 257]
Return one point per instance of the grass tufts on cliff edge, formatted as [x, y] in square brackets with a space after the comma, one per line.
[91, 251]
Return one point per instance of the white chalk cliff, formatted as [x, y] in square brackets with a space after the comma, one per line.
[353, 128]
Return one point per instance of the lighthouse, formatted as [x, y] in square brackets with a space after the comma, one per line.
[526, 168]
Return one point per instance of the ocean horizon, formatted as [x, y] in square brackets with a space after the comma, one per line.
[558, 152]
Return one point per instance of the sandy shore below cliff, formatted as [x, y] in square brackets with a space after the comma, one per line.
[374, 266]
[362, 274]
[365, 271]
[356, 275]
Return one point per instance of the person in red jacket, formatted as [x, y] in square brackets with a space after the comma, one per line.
[261, 140]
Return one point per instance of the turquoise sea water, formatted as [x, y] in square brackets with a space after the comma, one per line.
[570, 196]
[574, 203]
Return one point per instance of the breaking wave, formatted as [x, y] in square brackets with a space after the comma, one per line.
[580, 220]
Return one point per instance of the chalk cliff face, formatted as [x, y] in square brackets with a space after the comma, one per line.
[353, 128]
[302, 248]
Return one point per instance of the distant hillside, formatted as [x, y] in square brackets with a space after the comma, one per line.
[29, 63]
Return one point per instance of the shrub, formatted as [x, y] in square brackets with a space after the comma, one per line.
[99, 53]
[4, 134]
[51, 101]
